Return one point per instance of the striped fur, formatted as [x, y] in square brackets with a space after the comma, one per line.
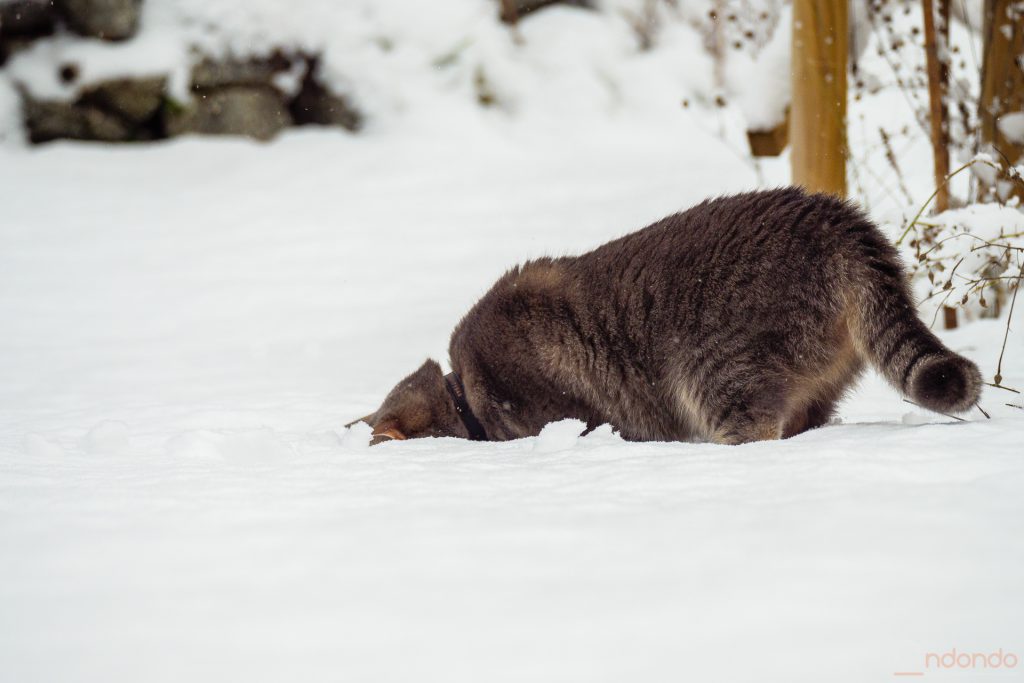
[744, 318]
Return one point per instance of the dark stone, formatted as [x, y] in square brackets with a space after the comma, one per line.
[104, 126]
[104, 19]
[133, 100]
[10, 46]
[47, 121]
[211, 73]
[255, 111]
[119, 110]
[315, 104]
[23, 21]
[27, 18]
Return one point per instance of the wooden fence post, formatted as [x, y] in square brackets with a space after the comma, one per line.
[1002, 84]
[510, 11]
[817, 121]
[936, 38]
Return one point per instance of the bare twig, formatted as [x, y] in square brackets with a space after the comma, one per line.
[949, 293]
[1000, 386]
[906, 92]
[1006, 334]
[949, 280]
[987, 243]
[890, 156]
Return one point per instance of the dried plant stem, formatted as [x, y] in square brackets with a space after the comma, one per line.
[1006, 334]
[985, 242]
[932, 196]
[949, 293]
[890, 156]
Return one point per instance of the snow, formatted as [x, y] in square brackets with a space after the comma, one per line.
[37, 67]
[760, 83]
[561, 436]
[1012, 126]
[10, 113]
[188, 325]
[357, 437]
[396, 56]
[974, 242]
[107, 438]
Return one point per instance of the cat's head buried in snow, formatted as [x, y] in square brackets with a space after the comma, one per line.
[418, 406]
[742, 319]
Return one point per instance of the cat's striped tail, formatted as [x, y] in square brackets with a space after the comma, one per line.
[885, 325]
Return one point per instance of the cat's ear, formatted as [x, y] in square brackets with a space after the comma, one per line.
[384, 431]
[387, 431]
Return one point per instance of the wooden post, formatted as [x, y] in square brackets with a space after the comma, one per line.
[769, 143]
[949, 317]
[817, 130]
[510, 11]
[1002, 82]
[936, 38]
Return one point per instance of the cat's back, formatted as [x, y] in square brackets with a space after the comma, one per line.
[739, 251]
[761, 226]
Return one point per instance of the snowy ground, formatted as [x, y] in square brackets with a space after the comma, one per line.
[187, 326]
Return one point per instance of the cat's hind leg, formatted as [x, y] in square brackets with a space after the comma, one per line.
[815, 414]
[814, 397]
[750, 412]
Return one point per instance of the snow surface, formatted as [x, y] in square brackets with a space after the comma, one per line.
[759, 83]
[188, 325]
[403, 62]
[10, 113]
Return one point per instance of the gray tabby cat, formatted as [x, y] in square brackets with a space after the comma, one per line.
[743, 318]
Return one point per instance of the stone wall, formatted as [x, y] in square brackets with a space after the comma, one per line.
[255, 97]
[228, 96]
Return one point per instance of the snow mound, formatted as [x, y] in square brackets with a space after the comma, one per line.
[357, 437]
[559, 436]
[1012, 126]
[759, 83]
[981, 241]
[605, 435]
